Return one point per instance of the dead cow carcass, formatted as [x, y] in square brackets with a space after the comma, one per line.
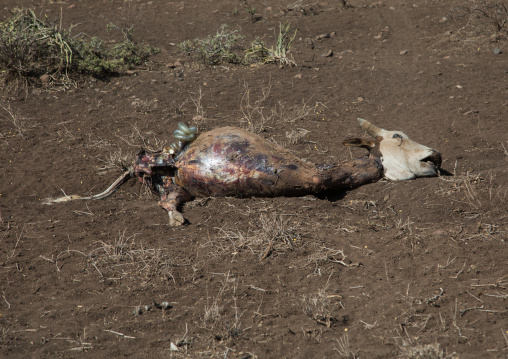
[230, 161]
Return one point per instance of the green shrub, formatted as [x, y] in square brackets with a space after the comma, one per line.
[215, 49]
[31, 47]
[278, 54]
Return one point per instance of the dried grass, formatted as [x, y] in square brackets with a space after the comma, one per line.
[271, 233]
[19, 122]
[258, 117]
[320, 307]
[115, 160]
[124, 257]
[223, 325]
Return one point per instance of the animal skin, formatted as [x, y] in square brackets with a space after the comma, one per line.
[233, 162]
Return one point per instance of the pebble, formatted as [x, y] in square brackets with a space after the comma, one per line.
[329, 53]
[298, 76]
[403, 52]
[323, 36]
[497, 50]
[44, 78]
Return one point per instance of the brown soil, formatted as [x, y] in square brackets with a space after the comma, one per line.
[394, 268]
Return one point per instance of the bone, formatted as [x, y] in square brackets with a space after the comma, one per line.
[108, 192]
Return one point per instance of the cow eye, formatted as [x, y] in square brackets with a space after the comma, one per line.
[397, 136]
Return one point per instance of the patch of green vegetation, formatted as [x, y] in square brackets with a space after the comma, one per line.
[278, 54]
[223, 48]
[31, 47]
[216, 49]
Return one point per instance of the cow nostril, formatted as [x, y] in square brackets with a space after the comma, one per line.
[434, 158]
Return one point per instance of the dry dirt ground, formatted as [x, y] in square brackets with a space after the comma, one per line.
[413, 269]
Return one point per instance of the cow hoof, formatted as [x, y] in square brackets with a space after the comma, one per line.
[176, 219]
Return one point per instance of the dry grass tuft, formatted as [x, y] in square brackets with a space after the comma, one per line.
[423, 351]
[19, 122]
[320, 307]
[344, 349]
[258, 117]
[223, 325]
[254, 113]
[328, 255]
[147, 140]
[280, 53]
[296, 136]
[469, 184]
[271, 233]
[484, 16]
[145, 106]
[292, 113]
[116, 160]
[124, 257]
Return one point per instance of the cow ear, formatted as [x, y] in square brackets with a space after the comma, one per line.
[359, 142]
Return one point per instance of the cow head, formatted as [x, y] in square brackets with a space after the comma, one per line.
[402, 158]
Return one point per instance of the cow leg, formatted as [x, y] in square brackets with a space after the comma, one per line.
[171, 200]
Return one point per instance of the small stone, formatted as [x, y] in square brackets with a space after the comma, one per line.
[137, 311]
[329, 53]
[166, 305]
[298, 76]
[163, 305]
[404, 52]
[44, 78]
[173, 347]
[323, 36]
[497, 51]
[170, 65]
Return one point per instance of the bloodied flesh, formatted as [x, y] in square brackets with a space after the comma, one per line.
[233, 162]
